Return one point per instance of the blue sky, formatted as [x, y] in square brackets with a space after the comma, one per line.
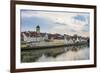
[56, 22]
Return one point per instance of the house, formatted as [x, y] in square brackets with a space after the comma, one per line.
[74, 39]
[33, 36]
[37, 36]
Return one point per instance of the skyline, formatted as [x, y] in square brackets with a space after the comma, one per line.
[56, 22]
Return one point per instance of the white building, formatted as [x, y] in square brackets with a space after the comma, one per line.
[34, 36]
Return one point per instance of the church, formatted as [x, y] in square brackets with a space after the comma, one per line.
[33, 36]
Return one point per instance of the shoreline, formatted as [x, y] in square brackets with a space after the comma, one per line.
[52, 46]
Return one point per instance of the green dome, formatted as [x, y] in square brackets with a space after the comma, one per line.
[37, 26]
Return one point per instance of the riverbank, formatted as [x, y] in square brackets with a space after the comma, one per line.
[52, 46]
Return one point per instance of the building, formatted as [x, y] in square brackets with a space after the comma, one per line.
[31, 36]
[38, 29]
[74, 39]
[38, 36]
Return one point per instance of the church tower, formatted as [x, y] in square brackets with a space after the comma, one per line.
[38, 29]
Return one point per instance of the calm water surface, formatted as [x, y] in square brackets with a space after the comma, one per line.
[56, 54]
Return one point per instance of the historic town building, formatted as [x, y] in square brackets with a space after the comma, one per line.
[38, 36]
[34, 36]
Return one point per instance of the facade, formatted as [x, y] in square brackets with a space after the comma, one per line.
[37, 36]
[34, 36]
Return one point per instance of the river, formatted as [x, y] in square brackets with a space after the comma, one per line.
[56, 54]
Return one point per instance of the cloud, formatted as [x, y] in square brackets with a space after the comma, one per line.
[80, 18]
[61, 22]
[83, 18]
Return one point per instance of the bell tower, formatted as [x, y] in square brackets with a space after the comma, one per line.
[38, 29]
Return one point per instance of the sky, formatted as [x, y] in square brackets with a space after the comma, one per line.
[62, 22]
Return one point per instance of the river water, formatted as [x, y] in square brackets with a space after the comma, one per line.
[56, 54]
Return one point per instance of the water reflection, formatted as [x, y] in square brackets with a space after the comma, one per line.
[56, 54]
